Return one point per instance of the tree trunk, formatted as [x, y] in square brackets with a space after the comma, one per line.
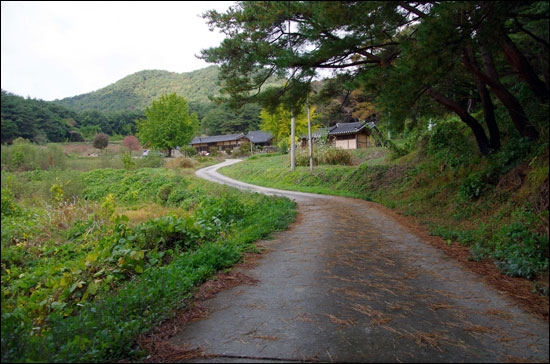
[477, 129]
[487, 103]
[515, 110]
[520, 64]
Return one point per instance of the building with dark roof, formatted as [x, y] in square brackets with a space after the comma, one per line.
[259, 137]
[221, 142]
[230, 141]
[344, 135]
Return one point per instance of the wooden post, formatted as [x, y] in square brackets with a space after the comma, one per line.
[292, 141]
[309, 137]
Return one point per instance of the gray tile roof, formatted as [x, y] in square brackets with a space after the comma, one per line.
[347, 128]
[340, 129]
[217, 138]
[258, 136]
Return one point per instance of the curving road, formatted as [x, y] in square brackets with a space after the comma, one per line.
[345, 283]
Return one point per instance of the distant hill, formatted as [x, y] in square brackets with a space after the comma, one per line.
[136, 91]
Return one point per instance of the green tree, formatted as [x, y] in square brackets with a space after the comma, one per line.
[223, 120]
[168, 124]
[278, 122]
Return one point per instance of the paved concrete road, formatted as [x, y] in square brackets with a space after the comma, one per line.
[347, 284]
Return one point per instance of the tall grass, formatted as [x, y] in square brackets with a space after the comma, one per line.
[325, 155]
[25, 156]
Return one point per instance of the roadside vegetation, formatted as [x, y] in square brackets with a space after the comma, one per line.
[92, 259]
[496, 205]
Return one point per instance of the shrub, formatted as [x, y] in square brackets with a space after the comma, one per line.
[213, 150]
[126, 158]
[163, 193]
[242, 150]
[131, 142]
[101, 141]
[9, 207]
[188, 151]
[472, 187]
[181, 162]
[283, 146]
[178, 194]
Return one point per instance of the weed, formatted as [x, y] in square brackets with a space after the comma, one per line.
[79, 283]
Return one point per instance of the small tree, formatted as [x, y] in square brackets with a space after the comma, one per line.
[168, 123]
[131, 142]
[101, 141]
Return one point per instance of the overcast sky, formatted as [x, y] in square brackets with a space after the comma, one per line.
[52, 50]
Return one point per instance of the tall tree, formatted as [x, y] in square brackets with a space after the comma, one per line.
[403, 52]
[277, 122]
[168, 123]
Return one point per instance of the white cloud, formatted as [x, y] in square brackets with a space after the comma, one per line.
[58, 49]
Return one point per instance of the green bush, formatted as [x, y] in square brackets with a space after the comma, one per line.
[213, 150]
[9, 207]
[242, 150]
[449, 143]
[101, 141]
[188, 151]
[163, 193]
[177, 195]
[127, 161]
[472, 186]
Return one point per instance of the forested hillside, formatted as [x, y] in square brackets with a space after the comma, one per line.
[35, 119]
[137, 91]
[42, 121]
[113, 110]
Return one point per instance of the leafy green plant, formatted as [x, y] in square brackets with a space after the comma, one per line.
[472, 186]
[164, 192]
[9, 207]
[80, 282]
[127, 160]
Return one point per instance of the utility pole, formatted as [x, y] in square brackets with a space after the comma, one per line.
[389, 123]
[292, 120]
[292, 141]
[309, 136]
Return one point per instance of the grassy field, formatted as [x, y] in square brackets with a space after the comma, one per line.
[93, 257]
[497, 206]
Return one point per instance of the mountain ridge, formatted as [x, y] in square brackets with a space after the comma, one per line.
[136, 91]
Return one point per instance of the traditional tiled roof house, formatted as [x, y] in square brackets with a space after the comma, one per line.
[230, 141]
[259, 137]
[221, 142]
[345, 135]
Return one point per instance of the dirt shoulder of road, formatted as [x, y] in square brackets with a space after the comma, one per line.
[518, 289]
